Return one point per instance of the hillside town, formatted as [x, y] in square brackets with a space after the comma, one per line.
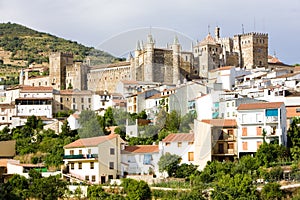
[236, 95]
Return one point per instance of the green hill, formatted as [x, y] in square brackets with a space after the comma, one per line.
[32, 46]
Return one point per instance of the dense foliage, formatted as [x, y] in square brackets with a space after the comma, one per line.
[36, 145]
[36, 187]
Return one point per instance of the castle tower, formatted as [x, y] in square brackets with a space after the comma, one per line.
[252, 49]
[58, 63]
[176, 60]
[149, 53]
[209, 56]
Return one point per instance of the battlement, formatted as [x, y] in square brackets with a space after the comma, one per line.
[61, 54]
[253, 34]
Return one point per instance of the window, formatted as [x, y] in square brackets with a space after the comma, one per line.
[82, 107]
[232, 104]
[80, 165]
[230, 132]
[258, 143]
[80, 152]
[89, 100]
[92, 165]
[258, 131]
[227, 104]
[244, 131]
[74, 101]
[245, 145]
[93, 178]
[87, 178]
[112, 151]
[230, 145]
[82, 100]
[190, 143]
[179, 144]
[72, 165]
[168, 143]
[297, 110]
[111, 165]
[191, 156]
[71, 152]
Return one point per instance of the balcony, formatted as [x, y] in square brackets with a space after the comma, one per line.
[81, 156]
[224, 152]
[272, 119]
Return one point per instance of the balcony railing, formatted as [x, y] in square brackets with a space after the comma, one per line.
[81, 156]
[225, 151]
[272, 119]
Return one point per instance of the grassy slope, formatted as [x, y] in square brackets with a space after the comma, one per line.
[33, 46]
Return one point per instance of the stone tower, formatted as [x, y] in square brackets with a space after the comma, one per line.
[58, 63]
[208, 52]
[176, 60]
[252, 49]
[149, 53]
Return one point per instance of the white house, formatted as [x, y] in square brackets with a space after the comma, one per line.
[73, 121]
[256, 118]
[140, 159]
[181, 144]
[35, 101]
[95, 160]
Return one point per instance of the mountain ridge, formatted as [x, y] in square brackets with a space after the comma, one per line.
[22, 46]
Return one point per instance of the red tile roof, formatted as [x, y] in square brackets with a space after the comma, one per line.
[263, 105]
[90, 142]
[27, 88]
[174, 137]
[141, 149]
[221, 122]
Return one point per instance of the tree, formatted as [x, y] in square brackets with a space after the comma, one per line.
[268, 153]
[90, 126]
[169, 163]
[294, 138]
[239, 186]
[173, 121]
[47, 188]
[271, 191]
[186, 170]
[136, 190]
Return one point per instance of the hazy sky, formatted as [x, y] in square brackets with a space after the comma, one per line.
[103, 23]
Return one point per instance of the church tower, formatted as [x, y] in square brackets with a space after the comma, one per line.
[149, 53]
[176, 60]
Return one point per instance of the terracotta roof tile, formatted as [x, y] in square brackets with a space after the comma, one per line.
[141, 149]
[263, 105]
[90, 142]
[174, 137]
[27, 88]
[221, 122]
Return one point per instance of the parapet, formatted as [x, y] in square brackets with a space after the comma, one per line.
[61, 54]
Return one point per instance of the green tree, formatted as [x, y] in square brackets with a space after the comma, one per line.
[268, 153]
[169, 163]
[173, 121]
[239, 186]
[96, 192]
[47, 188]
[90, 126]
[136, 190]
[186, 170]
[294, 138]
[271, 191]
